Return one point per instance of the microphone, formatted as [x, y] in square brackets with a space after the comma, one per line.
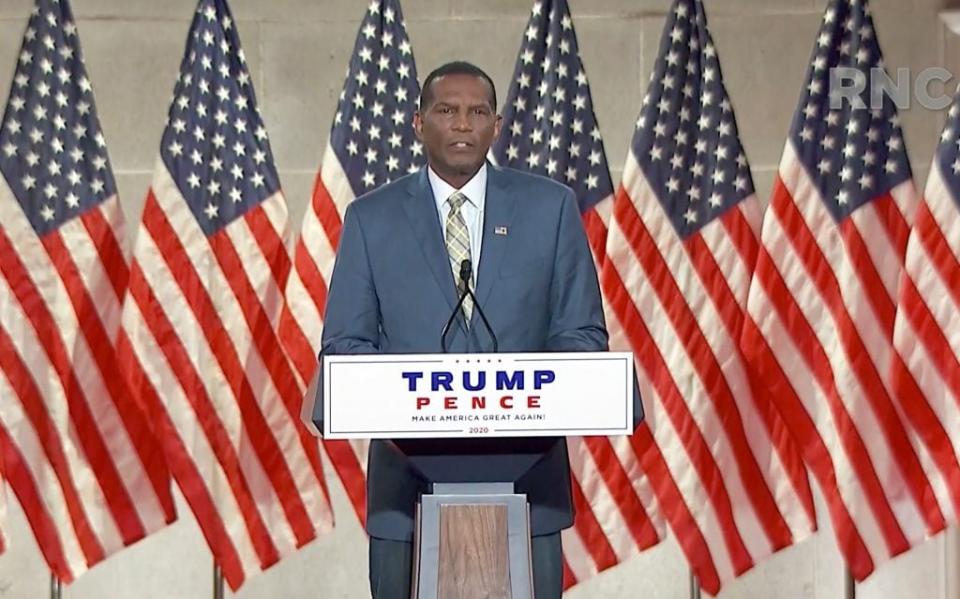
[466, 274]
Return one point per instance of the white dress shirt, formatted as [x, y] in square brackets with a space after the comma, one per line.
[472, 210]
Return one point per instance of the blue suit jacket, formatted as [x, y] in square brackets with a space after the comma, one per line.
[392, 290]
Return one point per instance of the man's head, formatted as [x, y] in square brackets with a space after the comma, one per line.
[457, 120]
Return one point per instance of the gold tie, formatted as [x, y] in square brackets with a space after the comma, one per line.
[458, 245]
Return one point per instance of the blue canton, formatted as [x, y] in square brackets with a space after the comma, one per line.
[948, 153]
[686, 140]
[372, 133]
[549, 124]
[853, 154]
[52, 151]
[214, 144]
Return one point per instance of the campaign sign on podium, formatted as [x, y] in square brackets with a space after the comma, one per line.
[466, 395]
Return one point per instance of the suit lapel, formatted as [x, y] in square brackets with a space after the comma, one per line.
[421, 211]
[499, 210]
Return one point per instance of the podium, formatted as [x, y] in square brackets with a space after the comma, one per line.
[472, 529]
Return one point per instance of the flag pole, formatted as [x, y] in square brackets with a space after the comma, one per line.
[56, 589]
[849, 585]
[217, 582]
[694, 586]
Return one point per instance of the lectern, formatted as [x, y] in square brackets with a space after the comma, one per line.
[472, 535]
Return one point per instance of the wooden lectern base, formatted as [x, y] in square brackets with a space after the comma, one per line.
[472, 541]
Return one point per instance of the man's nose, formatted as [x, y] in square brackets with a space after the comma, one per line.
[461, 122]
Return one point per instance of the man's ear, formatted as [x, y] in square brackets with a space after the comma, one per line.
[418, 125]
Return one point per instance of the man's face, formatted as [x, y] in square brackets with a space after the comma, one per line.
[458, 126]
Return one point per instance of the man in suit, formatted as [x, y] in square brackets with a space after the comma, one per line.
[395, 284]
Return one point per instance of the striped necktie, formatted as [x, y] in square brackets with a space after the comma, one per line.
[458, 245]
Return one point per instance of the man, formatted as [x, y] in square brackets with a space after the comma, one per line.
[394, 285]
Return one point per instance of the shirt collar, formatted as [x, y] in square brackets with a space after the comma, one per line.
[475, 189]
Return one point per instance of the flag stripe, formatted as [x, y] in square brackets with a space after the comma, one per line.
[815, 263]
[101, 445]
[154, 318]
[675, 508]
[18, 473]
[21, 382]
[590, 531]
[633, 516]
[44, 323]
[648, 256]
[112, 261]
[184, 468]
[798, 420]
[226, 345]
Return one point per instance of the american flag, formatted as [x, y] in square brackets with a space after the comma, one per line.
[822, 304]
[927, 378]
[76, 449]
[371, 142]
[549, 128]
[200, 342]
[680, 252]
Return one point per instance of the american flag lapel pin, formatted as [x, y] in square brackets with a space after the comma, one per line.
[501, 230]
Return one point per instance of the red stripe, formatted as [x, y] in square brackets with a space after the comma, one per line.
[590, 531]
[607, 464]
[897, 227]
[169, 344]
[101, 348]
[804, 430]
[657, 272]
[674, 506]
[208, 317]
[16, 471]
[822, 276]
[297, 346]
[351, 474]
[105, 241]
[939, 252]
[884, 306]
[326, 210]
[191, 483]
[596, 235]
[31, 399]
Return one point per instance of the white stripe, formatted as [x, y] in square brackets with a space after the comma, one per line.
[336, 181]
[44, 478]
[183, 418]
[576, 553]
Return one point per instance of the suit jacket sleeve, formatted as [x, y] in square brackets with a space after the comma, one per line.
[576, 313]
[352, 320]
